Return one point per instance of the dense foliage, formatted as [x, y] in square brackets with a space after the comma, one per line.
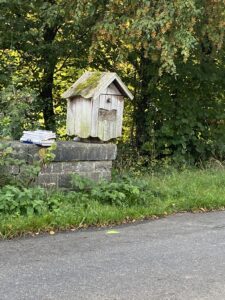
[170, 53]
[24, 201]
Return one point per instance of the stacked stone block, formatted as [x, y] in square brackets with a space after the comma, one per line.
[93, 161]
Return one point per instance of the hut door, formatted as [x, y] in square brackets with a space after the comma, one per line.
[107, 118]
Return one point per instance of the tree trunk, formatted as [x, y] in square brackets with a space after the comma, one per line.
[49, 60]
[47, 100]
[142, 102]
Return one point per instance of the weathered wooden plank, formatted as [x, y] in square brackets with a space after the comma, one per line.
[79, 117]
[94, 120]
[113, 90]
[70, 118]
[120, 107]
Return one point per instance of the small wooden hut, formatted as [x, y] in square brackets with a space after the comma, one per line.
[95, 106]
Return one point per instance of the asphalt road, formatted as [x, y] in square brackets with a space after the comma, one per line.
[179, 257]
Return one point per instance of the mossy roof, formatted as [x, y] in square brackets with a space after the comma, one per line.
[92, 84]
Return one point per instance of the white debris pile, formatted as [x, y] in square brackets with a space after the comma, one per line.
[39, 137]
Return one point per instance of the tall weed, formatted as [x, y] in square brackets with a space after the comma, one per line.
[26, 201]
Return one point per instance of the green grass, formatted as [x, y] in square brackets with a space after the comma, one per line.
[145, 197]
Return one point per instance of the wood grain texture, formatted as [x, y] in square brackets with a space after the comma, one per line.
[79, 117]
[101, 117]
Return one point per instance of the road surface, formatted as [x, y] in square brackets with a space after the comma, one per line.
[179, 257]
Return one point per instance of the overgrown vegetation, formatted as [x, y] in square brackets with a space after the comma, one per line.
[125, 199]
[26, 201]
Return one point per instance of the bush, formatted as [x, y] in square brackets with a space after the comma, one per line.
[14, 200]
[18, 111]
[123, 191]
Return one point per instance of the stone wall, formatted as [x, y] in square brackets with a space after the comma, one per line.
[89, 160]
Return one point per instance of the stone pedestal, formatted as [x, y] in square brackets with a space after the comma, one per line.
[88, 160]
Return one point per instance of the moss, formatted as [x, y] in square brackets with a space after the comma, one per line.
[89, 84]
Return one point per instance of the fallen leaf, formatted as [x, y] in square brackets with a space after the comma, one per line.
[112, 232]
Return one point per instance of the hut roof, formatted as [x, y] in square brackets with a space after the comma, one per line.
[92, 84]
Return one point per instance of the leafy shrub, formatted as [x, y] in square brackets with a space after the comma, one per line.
[4, 163]
[130, 159]
[14, 200]
[80, 183]
[18, 111]
[123, 191]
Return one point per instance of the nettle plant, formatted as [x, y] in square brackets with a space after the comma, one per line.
[26, 201]
[18, 196]
[123, 191]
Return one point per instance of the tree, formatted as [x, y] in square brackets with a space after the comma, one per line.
[164, 42]
[46, 37]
